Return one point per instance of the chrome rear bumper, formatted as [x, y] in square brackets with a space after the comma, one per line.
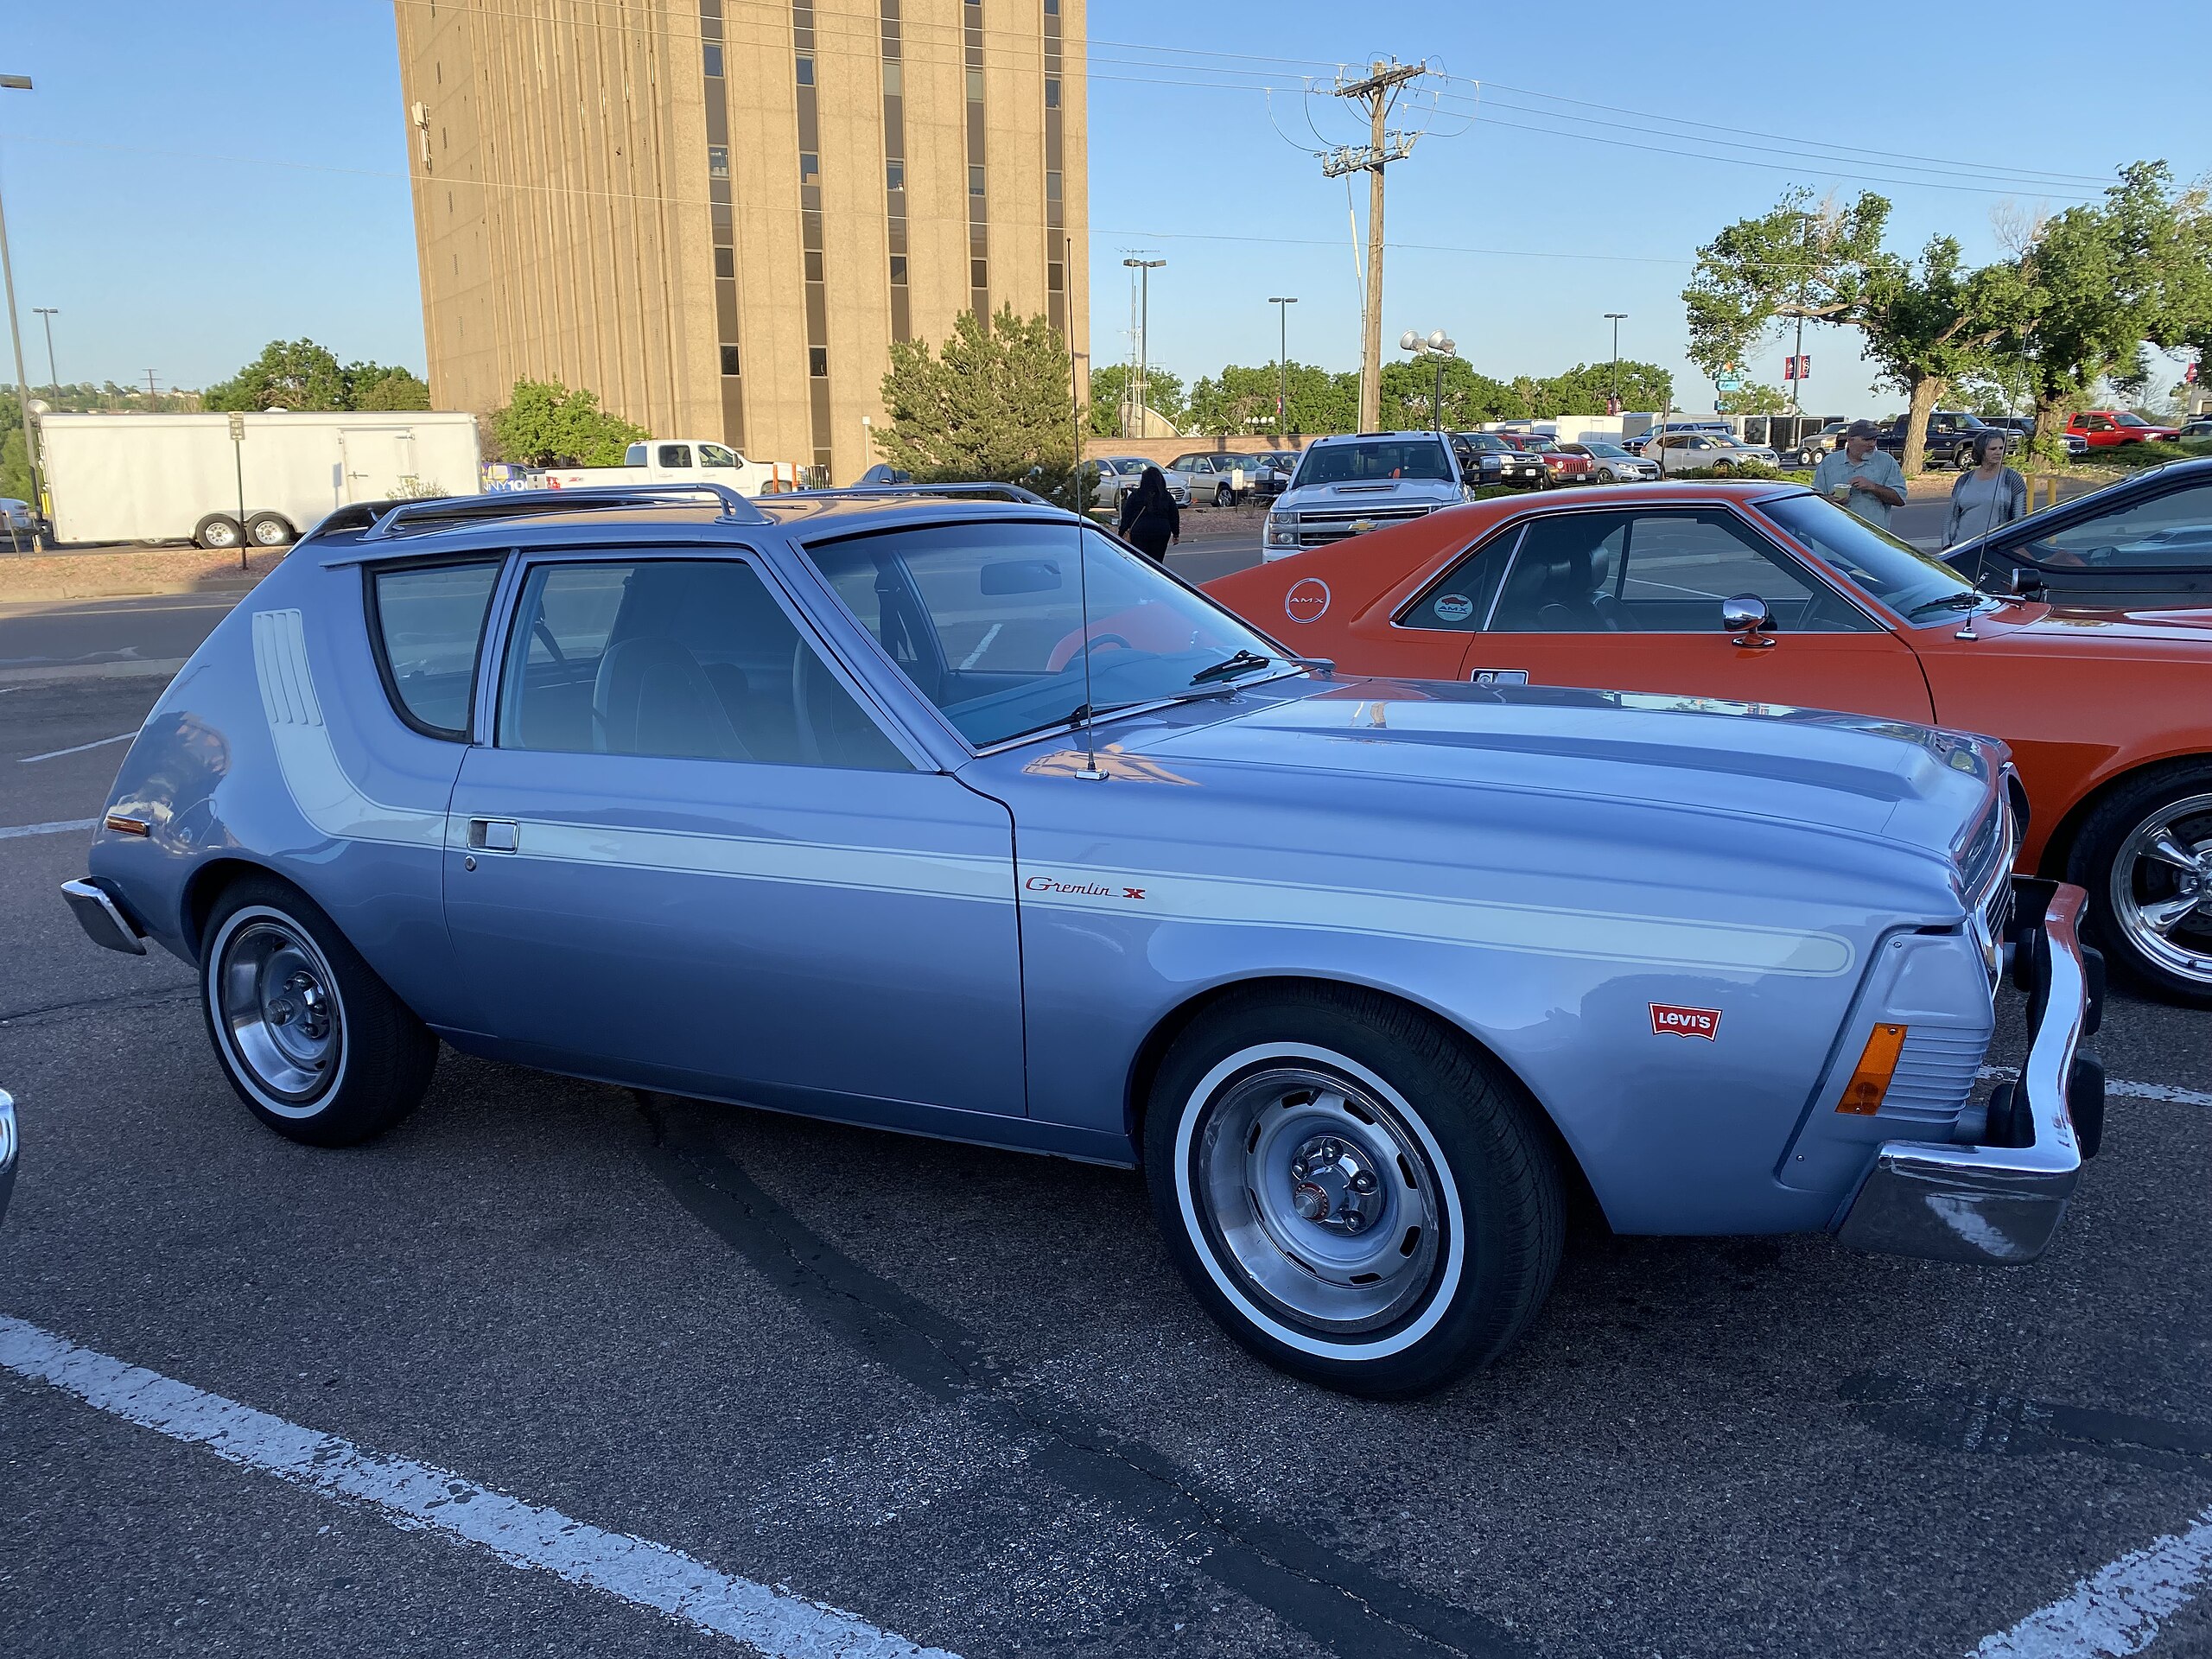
[2002, 1203]
[105, 921]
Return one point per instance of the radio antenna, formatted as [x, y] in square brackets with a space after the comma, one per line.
[1083, 640]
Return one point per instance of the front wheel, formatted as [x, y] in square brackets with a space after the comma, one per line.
[1608, 476]
[1354, 1193]
[1224, 496]
[317, 1046]
[2145, 858]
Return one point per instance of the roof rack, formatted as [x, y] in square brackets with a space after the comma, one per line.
[445, 510]
[863, 492]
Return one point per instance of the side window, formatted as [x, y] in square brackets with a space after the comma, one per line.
[427, 626]
[1460, 600]
[685, 659]
[675, 455]
[635, 455]
[2163, 533]
[1656, 573]
[713, 454]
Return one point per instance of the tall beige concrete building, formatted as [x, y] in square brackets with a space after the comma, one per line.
[719, 214]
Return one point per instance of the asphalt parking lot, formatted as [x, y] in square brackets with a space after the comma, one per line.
[929, 1394]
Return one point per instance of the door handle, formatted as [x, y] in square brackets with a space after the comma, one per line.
[493, 834]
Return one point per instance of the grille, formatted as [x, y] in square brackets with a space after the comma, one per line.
[1319, 529]
[1935, 1076]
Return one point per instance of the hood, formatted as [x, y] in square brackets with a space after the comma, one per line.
[1375, 492]
[1881, 780]
[2146, 632]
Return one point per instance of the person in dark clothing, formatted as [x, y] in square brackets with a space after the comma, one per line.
[1149, 521]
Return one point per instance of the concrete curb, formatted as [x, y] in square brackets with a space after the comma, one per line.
[166, 667]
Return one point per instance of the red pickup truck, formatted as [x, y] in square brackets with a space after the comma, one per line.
[2104, 426]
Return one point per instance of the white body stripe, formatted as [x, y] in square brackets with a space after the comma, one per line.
[326, 798]
[1538, 929]
[421, 1496]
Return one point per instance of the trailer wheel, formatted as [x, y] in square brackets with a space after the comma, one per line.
[218, 532]
[270, 530]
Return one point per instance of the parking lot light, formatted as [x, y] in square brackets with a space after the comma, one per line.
[21, 83]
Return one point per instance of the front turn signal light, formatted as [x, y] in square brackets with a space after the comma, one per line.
[1877, 1064]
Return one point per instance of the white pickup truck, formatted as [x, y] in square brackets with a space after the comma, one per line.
[681, 460]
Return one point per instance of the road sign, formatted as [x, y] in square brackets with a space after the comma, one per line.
[238, 427]
[1727, 380]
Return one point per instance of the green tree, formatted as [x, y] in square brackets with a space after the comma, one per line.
[1110, 386]
[289, 374]
[1240, 400]
[994, 404]
[1409, 386]
[545, 424]
[14, 463]
[1754, 398]
[374, 387]
[1584, 388]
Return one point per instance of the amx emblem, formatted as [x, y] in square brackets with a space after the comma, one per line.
[1307, 600]
[1668, 1020]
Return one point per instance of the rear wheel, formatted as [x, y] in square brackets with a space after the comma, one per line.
[1356, 1193]
[2145, 858]
[218, 532]
[313, 1041]
[1224, 496]
[270, 530]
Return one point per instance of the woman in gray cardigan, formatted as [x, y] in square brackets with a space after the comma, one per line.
[1988, 495]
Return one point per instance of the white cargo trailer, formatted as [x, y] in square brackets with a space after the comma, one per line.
[141, 478]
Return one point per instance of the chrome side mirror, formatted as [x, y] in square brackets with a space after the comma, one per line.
[1746, 616]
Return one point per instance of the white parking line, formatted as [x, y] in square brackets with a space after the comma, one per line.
[416, 1496]
[59, 826]
[2122, 1088]
[2120, 1608]
[97, 743]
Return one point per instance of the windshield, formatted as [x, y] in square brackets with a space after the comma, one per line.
[1484, 441]
[1922, 590]
[1356, 463]
[1605, 451]
[985, 620]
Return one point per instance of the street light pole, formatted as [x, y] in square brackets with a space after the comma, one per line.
[1617, 318]
[1144, 268]
[1282, 304]
[1438, 347]
[52, 378]
[21, 83]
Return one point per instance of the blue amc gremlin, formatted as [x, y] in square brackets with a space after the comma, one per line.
[952, 815]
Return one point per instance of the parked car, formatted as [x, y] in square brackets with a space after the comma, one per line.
[1951, 435]
[1642, 441]
[1488, 458]
[2103, 427]
[1348, 486]
[2019, 430]
[798, 803]
[8, 1148]
[881, 475]
[1611, 463]
[2142, 544]
[21, 523]
[1765, 594]
[1116, 475]
[1688, 452]
[1220, 478]
[1814, 445]
[2197, 426]
[1561, 465]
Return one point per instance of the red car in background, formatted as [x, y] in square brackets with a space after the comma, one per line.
[1560, 465]
[2102, 428]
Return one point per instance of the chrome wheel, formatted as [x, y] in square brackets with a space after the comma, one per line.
[1319, 1201]
[2161, 888]
[269, 532]
[276, 1007]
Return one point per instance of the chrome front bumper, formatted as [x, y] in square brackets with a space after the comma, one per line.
[2001, 1203]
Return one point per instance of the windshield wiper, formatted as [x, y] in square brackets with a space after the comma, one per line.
[1952, 602]
[1082, 712]
[1243, 663]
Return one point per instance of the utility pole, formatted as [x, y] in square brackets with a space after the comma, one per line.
[52, 379]
[1144, 268]
[151, 393]
[21, 83]
[1282, 304]
[1379, 91]
[1617, 318]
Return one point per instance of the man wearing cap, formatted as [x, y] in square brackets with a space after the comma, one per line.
[1858, 475]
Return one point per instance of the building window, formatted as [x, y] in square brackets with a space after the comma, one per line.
[974, 180]
[895, 167]
[713, 54]
[809, 167]
[729, 359]
[725, 262]
[895, 78]
[806, 72]
[898, 268]
[718, 161]
[975, 85]
[1052, 93]
[979, 274]
[814, 265]
[817, 361]
[1055, 276]
[1052, 186]
[894, 176]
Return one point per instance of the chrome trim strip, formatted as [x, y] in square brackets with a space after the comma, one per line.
[1993, 1205]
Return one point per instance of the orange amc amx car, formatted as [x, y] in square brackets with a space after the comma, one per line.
[1767, 594]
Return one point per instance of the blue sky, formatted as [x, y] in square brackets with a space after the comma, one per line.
[189, 182]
